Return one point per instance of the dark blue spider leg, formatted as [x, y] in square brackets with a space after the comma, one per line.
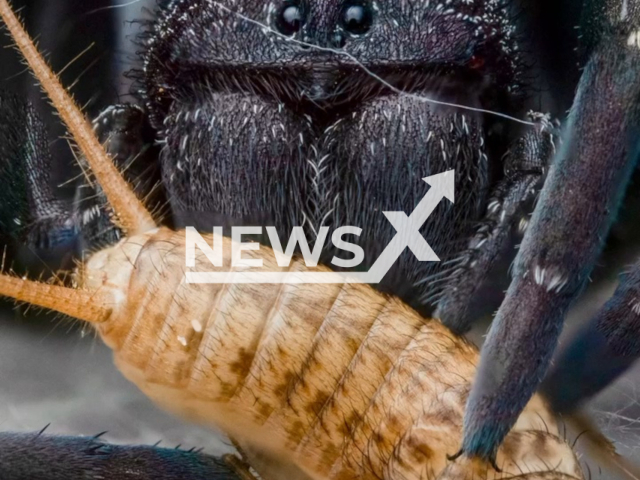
[601, 351]
[524, 169]
[25, 456]
[576, 208]
[29, 211]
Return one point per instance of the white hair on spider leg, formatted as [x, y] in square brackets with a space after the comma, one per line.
[634, 39]
[624, 11]
[552, 280]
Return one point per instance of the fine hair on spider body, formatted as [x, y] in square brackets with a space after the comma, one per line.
[330, 381]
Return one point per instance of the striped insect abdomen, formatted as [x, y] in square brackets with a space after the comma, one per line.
[340, 380]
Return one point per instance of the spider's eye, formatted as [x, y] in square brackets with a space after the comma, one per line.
[290, 17]
[357, 17]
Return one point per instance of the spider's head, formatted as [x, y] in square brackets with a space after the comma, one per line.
[313, 113]
[328, 53]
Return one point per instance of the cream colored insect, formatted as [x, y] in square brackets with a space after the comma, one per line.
[312, 382]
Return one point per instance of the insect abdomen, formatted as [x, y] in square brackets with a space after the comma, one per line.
[346, 381]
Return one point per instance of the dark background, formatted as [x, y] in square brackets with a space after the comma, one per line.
[50, 372]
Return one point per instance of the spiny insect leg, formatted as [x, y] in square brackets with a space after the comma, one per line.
[565, 237]
[524, 170]
[132, 215]
[601, 351]
[47, 457]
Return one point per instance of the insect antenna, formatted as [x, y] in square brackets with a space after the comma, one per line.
[132, 215]
[89, 306]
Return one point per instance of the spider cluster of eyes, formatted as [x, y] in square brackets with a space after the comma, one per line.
[356, 16]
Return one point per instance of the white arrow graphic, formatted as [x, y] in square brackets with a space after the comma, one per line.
[408, 228]
[408, 235]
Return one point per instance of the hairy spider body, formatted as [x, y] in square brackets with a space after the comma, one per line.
[330, 137]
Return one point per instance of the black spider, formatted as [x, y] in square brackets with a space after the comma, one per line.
[294, 112]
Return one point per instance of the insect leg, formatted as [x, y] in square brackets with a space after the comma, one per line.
[576, 208]
[602, 350]
[46, 457]
[524, 169]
